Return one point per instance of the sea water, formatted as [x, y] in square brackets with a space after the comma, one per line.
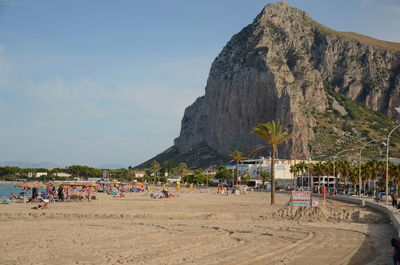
[7, 188]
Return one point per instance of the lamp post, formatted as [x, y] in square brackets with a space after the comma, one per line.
[387, 164]
[334, 164]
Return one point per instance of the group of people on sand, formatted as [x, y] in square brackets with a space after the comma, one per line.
[164, 194]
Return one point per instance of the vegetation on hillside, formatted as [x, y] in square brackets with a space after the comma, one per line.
[335, 131]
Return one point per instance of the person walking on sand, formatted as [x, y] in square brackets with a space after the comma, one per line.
[61, 193]
[394, 199]
[395, 250]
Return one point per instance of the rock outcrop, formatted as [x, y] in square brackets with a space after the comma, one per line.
[277, 68]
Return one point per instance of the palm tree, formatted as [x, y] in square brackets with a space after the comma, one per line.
[393, 174]
[343, 169]
[365, 176]
[274, 135]
[302, 167]
[375, 168]
[236, 156]
[294, 170]
[328, 170]
[155, 166]
[265, 176]
[353, 175]
[319, 169]
[182, 169]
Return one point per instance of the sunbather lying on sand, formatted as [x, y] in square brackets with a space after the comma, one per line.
[44, 206]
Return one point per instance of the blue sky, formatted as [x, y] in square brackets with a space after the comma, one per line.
[96, 82]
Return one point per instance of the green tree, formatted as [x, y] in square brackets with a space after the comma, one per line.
[182, 169]
[223, 173]
[169, 167]
[319, 169]
[376, 168]
[274, 135]
[265, 176]
[302, 168]
[237, 157]
[245, 177]
[163, 169]
[155, 166]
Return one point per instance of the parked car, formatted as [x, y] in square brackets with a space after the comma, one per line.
[351, 192]
[381, 196]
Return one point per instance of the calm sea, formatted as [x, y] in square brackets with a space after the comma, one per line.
[6, 189]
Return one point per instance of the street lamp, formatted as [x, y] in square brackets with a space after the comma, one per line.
[387, 164]
[334, 164]
[359, 166]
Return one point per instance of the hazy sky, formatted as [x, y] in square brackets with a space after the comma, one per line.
[95, 82]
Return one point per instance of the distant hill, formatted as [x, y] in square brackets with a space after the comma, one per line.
[21, 164]
[111, 166]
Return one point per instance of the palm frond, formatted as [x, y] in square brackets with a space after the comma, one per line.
[257, 149]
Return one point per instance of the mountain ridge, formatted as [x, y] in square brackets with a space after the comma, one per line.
[278, 68]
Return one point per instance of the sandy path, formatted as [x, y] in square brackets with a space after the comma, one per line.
[194, 228]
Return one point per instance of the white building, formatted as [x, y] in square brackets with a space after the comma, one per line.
[253, 167]
[62, 175]
[39, 174]
[174, 180]
[139, 174]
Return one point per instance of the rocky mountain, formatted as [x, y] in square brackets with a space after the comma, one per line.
[287, 67]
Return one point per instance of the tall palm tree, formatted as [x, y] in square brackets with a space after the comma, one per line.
[319, 169]
[328, 170]
[375, 168]
[265, 176]
[274, 135]
[353, 175]
[343, 169]
[302, 167]
[394, 173]
[365, 176]
[182, 169]
[294, 170]
[155, 166]
[237, 157]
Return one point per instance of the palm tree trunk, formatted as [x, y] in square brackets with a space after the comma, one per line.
[319, 183]
[272, 174]
[237, 173]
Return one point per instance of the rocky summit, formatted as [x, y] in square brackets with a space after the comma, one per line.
[287, 67]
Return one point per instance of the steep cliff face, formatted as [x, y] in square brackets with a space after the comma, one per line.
[277, 68]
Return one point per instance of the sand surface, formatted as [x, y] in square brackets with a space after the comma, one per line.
[194, 228]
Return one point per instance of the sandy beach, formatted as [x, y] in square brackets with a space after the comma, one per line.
[197, 227]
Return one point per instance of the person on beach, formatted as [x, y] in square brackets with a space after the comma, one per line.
[394, 199]
[61, 193]
[35, 193]
[41, 207]
[395, 250]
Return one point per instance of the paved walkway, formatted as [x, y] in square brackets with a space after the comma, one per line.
[394, 214]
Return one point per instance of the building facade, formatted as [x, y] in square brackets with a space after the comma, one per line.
[253, 167]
